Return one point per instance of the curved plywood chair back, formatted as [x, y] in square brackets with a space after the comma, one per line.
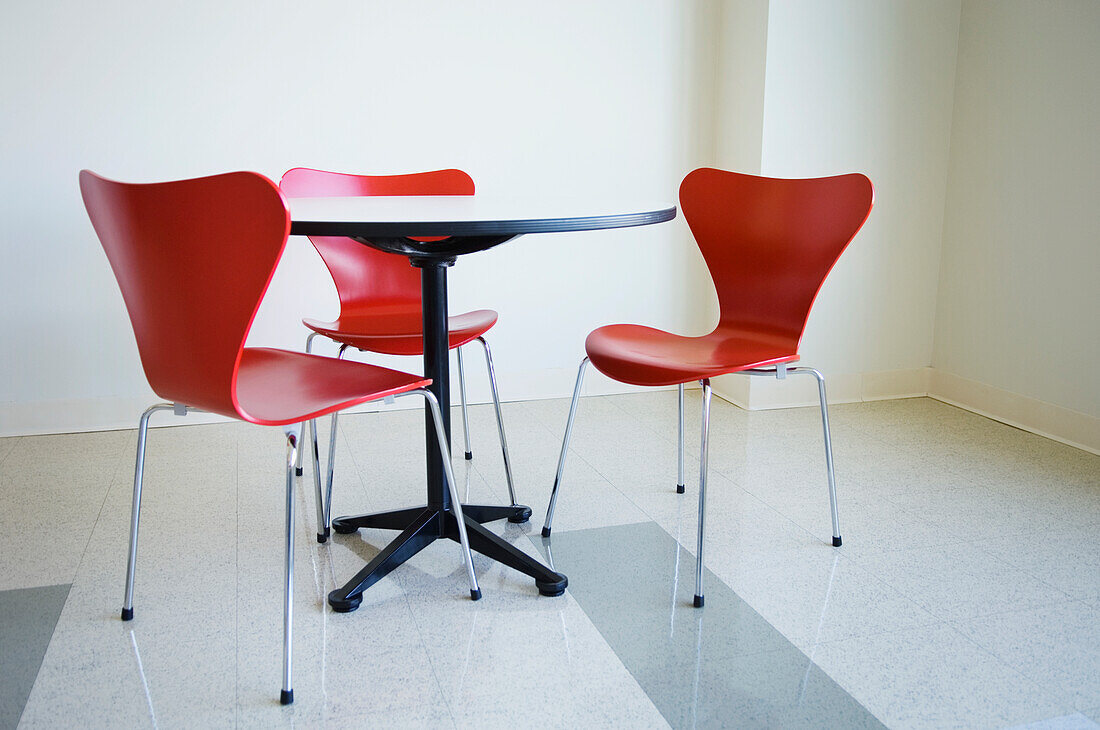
[769, 243]
[193, 259]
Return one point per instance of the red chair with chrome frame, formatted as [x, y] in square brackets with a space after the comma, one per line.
[379, 296]
[193, 259]
[769, 243]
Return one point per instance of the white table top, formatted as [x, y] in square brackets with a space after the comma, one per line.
[468, 215]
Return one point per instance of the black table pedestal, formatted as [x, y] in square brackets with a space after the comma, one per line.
[420, 526]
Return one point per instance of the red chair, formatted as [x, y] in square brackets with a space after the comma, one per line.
[769, 244]
[380, 297]
[193, 258]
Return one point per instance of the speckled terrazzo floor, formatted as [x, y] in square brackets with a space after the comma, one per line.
[966, 594]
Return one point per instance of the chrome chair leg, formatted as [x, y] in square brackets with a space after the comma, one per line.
[500, 421]
[564, 450]
[135, 510]
[309, 349]
[328, 478]
[828, 447]
[680, 451]
[322, 534]
[452, 486]
[702, 493]
[293, 439]
[465, 410]
[324, 501]
[780, 372]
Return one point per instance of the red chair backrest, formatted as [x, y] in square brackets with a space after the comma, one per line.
[366, 277]
[769, 243]
[193, 259]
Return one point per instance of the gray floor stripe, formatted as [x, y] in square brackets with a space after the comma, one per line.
[27, 620]
[719, 666]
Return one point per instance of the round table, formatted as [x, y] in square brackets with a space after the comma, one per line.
[471, 223]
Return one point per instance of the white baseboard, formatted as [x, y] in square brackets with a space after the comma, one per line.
[1045, 419]
[111, 414]
[88, 414]
[756, 393]
[751, 393]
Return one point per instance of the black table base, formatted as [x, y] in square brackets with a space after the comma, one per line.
[421, 526]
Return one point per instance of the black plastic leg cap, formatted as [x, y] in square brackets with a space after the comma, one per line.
[680, 489]
[297, 471]
[322, 538]
[552, 588]
[546, 532]
[469, 456]
[475, 595]
[698, 602]
[286, 697]
[127, 614]
[343, 605]
[836, 542]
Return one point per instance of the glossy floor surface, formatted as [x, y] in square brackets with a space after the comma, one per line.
[966, 593]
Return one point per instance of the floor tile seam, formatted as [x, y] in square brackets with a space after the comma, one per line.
[488, 483]
[974, 614]
[427, 655]
[799, 528]
[897, 500]
[939, 624]
[120, 468]
[931, 621]
[1034, 575]
[558, 429]
[645, 422]
[1060, 696]
[1090, 603]
[909, 446]
[624, 495]
[981, 544]
[349, 453]
[645, 426]
[1069, 601]
[572, 454]
[860, 696]
[850, 564]
[913, 595]
[938, 527]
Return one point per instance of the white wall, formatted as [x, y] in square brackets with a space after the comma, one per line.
[742, 65]
[1018, 306]
[594, 97]
[855, 86]
[572, 94]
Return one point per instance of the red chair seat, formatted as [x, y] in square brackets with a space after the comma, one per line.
[278, 387]
[400, 332]
[640, 355]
